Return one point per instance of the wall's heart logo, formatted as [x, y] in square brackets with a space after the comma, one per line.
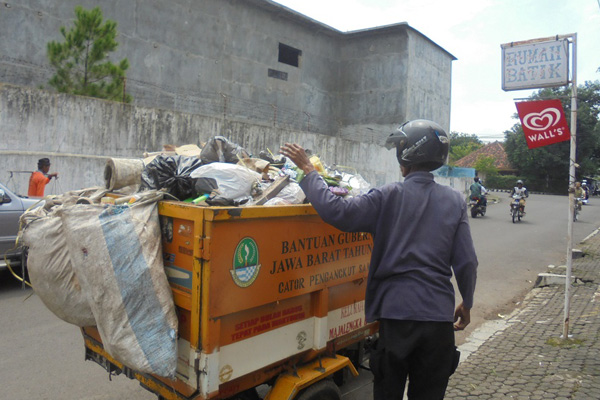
[542, 120]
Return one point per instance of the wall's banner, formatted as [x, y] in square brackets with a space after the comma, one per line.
[543, 122]
[535, 65]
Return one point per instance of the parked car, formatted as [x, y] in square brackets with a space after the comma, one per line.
[11, 208]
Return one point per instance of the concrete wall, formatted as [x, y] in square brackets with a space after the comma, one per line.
[201, 68]
[428, 81]
[78, 134]
[212, 57]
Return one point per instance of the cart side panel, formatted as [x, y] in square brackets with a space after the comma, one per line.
[273, 280]
[258, 261]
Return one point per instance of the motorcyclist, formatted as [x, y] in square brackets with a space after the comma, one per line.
[586, 191]
[478, 192]
[521, 192]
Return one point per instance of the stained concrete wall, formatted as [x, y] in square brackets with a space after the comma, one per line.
[212, 57]
[201, 68]
[428, 82]
[78, 134]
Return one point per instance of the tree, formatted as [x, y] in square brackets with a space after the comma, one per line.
[81, 61]
[462, 144]
[485, 165]
[548, 166]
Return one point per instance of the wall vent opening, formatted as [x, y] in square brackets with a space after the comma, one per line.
[289, 55]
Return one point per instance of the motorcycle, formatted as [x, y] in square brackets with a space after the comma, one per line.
[577, 209]
[585, 198]
[516, 211]
[477, 206]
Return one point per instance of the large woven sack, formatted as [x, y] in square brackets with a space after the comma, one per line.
[50, 269]
[117, 256]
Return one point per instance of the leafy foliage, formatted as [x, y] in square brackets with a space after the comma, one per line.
[81, 61]
[485, 165]
[461, 145]
[504, 182]
[548, 166]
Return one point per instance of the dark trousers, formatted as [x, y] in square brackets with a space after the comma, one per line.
[422, 351]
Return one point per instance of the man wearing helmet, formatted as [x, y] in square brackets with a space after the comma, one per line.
[521, 192]
[478, 192]
[586, 190]
[421, 236]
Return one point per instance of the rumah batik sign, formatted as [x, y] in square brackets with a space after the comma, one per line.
[543, 122]
[535, 65]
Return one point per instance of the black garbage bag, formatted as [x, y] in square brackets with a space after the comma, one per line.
[171, 173]
[220, 149]
[276, 162]
[218, 200]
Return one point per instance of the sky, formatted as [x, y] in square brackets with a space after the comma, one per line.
[472, 31]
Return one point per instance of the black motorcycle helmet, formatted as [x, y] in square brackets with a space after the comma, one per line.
[420, 142]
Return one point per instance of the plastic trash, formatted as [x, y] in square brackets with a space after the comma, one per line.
[235, 182]
[292, 194]
[220, 149]
[171, 173]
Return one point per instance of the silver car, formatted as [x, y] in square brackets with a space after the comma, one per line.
[11, 208]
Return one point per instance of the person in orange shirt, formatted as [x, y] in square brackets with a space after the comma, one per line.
[40, 178]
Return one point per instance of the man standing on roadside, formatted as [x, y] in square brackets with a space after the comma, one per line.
[40, 178]
[421, 235]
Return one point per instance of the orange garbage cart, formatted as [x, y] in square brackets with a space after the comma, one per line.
[264, 295]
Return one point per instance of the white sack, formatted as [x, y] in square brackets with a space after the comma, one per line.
[292, 193]
[234, 181]
[117, 256]
[50, 269]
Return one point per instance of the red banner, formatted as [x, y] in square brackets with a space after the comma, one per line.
[543, 122]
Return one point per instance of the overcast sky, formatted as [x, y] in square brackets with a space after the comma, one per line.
[472, 31]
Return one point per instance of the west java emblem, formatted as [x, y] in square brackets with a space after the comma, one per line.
[245, 263]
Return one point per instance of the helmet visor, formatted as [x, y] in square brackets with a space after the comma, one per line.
[397, 139]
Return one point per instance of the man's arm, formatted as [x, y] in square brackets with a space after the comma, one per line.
[464, 263]
[298, 156]
[357, 214]
[462, 317]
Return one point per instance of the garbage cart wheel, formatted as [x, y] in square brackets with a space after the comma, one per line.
[323, 390]
[250, 394]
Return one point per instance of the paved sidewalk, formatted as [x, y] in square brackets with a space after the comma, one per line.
[524, 357]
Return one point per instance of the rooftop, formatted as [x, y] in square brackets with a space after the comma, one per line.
[494, 149]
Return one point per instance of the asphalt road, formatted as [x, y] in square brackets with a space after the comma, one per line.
[41, 357]
[512, 254]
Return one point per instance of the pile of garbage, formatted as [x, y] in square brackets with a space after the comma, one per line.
[222, 173]
[86, 246]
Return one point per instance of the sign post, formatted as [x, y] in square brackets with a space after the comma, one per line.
[572, 156]
[540, 63]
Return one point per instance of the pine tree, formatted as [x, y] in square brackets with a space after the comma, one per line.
[81, 61]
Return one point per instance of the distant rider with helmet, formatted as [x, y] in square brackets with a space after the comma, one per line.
[421, 236]
[586, 191]
[521, 192]
[478, 192]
